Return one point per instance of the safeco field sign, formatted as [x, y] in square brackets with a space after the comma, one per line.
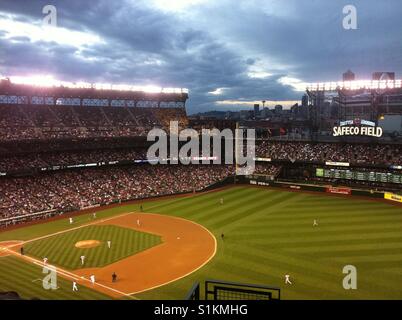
[357, 131]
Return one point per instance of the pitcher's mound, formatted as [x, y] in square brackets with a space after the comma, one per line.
[87, 244]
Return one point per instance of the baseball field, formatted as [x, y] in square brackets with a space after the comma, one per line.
[160, 251]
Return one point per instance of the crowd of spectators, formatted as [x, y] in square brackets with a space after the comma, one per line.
[369, 154]
[267, 169]
[32, 122]
[76, 189]
[362, 154]
[14, 163]
[36, 128]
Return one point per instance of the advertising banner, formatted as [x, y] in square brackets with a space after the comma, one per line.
[393, 197]
[339, 190]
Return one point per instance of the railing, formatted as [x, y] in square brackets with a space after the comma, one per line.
[226, 290]
[15, 219]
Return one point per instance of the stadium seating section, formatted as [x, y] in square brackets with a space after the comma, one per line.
[44, 151]
[23, 122]
[368, 154]
[75, 189]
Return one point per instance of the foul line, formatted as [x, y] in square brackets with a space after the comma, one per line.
[67, 274]
[74, 276]
[61, 271]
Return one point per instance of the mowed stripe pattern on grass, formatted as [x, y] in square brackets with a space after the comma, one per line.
[61, 250]
[26, 279]
[270, 233]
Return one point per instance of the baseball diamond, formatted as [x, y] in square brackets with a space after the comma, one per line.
[213, 157]
[266, 231]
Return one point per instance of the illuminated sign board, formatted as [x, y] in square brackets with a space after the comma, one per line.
[263, 159]
[338, 164]
[346, 174]
[393, 197]
[357, 127]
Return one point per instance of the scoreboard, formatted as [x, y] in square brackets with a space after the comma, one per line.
[359, 175]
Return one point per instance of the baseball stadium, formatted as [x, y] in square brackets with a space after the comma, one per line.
[178, 154]
[86, 216]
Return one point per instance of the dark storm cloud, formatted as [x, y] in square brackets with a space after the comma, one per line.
[210, 46]
[311, 39]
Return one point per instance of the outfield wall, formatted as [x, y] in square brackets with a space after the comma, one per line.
[225, 182]
[393, 197]
[298, 186]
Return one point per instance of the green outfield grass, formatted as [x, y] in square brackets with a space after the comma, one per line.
[26, 279]
[61, 251]
[268, 233]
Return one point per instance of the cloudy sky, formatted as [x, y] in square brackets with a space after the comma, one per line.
[228, 53]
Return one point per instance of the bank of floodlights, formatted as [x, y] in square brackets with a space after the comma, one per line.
[355, 85]
[48, 81]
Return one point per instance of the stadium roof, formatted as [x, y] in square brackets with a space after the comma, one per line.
[355, 85]
[49, 82]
